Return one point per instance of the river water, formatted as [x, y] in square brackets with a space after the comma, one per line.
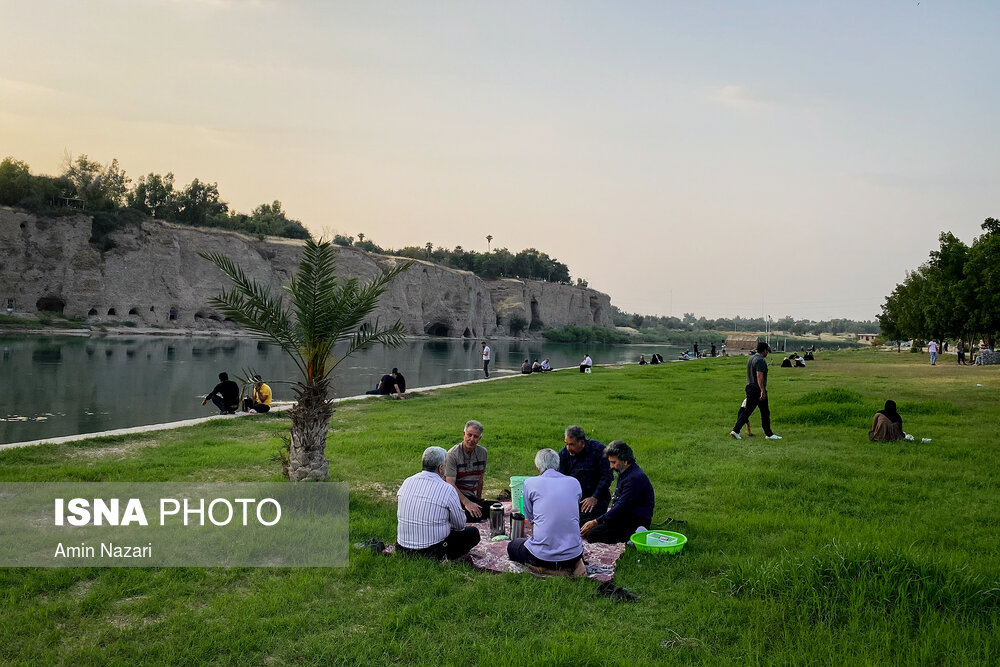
[65, 385]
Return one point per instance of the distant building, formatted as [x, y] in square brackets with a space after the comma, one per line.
[867, 338]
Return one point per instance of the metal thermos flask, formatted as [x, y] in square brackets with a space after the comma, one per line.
[516, 526]
[496, 519]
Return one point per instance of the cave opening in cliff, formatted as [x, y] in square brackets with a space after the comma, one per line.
[173, 314]
[437, 329]
[466, 333]
[133, 311]
[536, 319]
[92, 312]
[112, 311]
[50, 304]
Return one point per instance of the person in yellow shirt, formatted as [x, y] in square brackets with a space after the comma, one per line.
[259, 399]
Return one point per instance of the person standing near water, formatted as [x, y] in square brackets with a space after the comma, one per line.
[486, 359]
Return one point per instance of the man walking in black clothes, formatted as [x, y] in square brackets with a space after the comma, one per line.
[756, 391]
[225, 396]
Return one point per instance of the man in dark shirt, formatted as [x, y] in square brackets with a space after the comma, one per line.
[393, 382]
[632, 505]
[225, 396]
[756, 392]
[584, 459]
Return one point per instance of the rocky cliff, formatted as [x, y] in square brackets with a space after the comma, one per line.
[154, 276]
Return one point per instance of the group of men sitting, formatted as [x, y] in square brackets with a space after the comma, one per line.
[528, 368]
[567, 503]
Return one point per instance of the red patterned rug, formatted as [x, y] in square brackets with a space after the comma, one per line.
[491, 556]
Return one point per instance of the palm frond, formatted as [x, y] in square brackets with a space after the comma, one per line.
[369, 335]
[250, 304]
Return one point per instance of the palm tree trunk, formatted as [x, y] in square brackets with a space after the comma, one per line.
[310, 421]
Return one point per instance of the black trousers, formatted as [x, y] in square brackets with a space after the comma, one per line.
[221, 404]
[518, 552]
[753, 402]
[458, 543]
[486, 367]
[615, 531]
[250, 404]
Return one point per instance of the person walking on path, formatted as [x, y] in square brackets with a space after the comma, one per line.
[486, 359]
[756, 392]
[932, 347]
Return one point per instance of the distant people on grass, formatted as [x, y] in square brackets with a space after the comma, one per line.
[723, 348]
[551, 504]
[642, 360]
[633, 502]
[584, 459]
[225, 395]
[526, 367]
[259, 399]
[696, 350]
[932, 347]
[756, 394]
[712, 352]
[389, 384]
[486, 359]
[430, 520]
[586, 364]
[685, 356]
[960, 349]
[464, 469]
[546, 366]
[887, 424]
[655, 359]
[659, 358]
[786, 363]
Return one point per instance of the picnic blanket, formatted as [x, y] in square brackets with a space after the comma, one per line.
[491, 556]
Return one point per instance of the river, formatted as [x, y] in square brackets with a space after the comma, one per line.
[66, 385]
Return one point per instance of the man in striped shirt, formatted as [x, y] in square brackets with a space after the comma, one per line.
[430, 518]
[464, 468]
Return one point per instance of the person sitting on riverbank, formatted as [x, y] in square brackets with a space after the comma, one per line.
[786, 363]
[536, 367]
[551, 503]
[642, 360]
[686, 356]
[657, 358]
[526, 367]
[546, 366]
[225, 396]
[586, 364]
[259, 399]
[429, 517]
[633, 502]
[388, 384]
[887, 425]
[465, 467]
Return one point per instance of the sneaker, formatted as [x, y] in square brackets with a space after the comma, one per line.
[736, 436]
[773, 436]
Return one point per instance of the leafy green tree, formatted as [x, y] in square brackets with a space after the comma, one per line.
[516, 324]
[154, 195]
[199, 203]
[983, 269]
[15, 181]
[325, 310]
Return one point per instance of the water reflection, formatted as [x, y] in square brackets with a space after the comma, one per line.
[65, 385]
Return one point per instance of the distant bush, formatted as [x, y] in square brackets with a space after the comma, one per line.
[577, 334]
[517, 324]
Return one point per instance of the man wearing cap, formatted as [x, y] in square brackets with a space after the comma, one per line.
[756, 391]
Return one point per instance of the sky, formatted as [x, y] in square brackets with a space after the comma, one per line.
[721, 158]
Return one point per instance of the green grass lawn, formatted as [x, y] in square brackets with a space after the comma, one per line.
[818, 548]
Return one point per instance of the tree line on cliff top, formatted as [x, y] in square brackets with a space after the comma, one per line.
[114, 201]
[954, 294]
[107, 194]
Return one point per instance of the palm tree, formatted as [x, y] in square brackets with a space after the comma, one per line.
[361, 237]
[489, 239]
[429, 246]
[325, 310]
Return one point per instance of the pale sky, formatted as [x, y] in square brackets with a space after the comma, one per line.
[721, 158]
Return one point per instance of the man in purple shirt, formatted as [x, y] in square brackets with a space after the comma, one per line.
[551, 503]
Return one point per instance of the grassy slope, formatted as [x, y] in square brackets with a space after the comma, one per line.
[820, 547]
